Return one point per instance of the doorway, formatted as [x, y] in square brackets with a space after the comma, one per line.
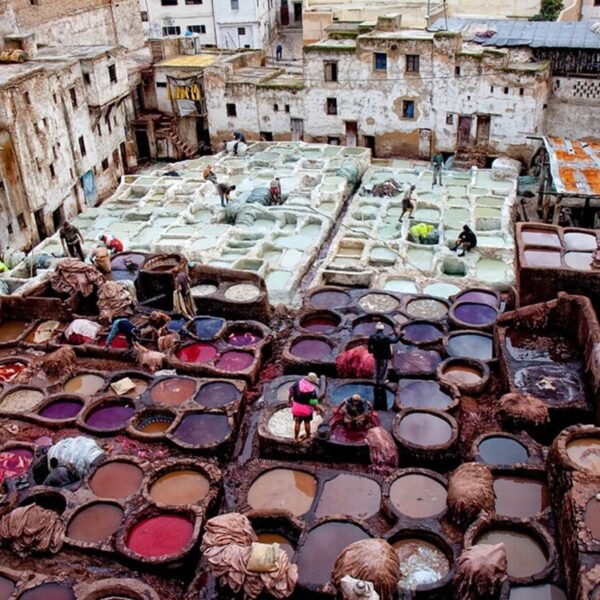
[123, 150]
[297, 12]
[351, 133]
[40, 224]
[297, 127]
[483, 130]
[142, 143]
[464, 131]
[370, 144]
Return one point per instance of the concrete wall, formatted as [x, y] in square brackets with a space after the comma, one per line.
[499, 9]
[257, 17]
[589, 11]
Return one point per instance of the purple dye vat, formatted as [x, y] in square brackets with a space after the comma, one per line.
[320, 324]
[329, 299]
[203, 429]
[49, 591]
[424, 394]
[62, 408]
[216, 395]
[367, 327]
[475, 314]
[310, 348]
[478, 297]
[422, 333]
[234, 361]
[206, 328]
[243, 338]
[542, 258]
[471, 345]
[411, 361]
[112, 415]
[123, 261]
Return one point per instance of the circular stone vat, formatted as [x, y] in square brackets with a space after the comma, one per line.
[281, 423]
[329, 299]
[178, 487]
[173, 390]
[242, 338]
[21, 400]
[478, 296]
[234, 361]
[581, 242]
[49, 591]
[198, 429]
[425, 394]
[467, 374]
[584, 452]
[86, 384]
[323, 544]
[206, 328]
[141, 383]
[9, 370]
[525, 555]
[116, 480]
[15, 461]
[381, 303]
[418, 496]
[426, 308]
[61, 408]
[197, 353]
[365, 326]
[273, 538]
[421, 563]
[217, 394]
[242, 292]
[474, 315]
[164, 534]
[364, 390]
[351, 495]
[502, 450]
[422, 333]
[322, 322]
[110, 415]
[7, 587]
[283, 489]
[153, 423]
[592, 517]
[546, 591]
[470, 344]
[310, 348]
[423, 429]
[519, 497]
[95, 522]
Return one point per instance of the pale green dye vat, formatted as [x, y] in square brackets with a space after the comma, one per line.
[291, 259]
[490, 241]
[294, 241]
[147, 235]
[383, 256]
[204, 244]
[441, 290]
[278, 280]
[214, 230]
[458, 201]
[455, 218]
[163, 221]
[326, 207]
[272, 256]
[389, 233]
[183, 230]
[419, 258]
[404, 286]
[457, 190]
[310, 230]
[489, 269]
[345, 261]
[485, 212]
[429, 215]
[491, 201]
[265, 224]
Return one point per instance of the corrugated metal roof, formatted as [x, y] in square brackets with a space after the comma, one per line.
[516, 32]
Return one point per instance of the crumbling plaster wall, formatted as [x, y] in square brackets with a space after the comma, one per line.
[279, 122]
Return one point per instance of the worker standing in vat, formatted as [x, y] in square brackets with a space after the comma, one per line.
[224, 192]
[124, 326]
[437, 162]
[71, 241]
[276, 191]
[303, 399]
[467, 240]
[380, 346]
[355, 411]
[209, 174]
[407, 203]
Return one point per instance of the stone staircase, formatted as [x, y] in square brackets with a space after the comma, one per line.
[166, 129]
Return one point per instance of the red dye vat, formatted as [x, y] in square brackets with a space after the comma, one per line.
[14, 462]
[157, 536]
[8, 371]
[319, 324]
[118, 343]
[199, 352]
[234, 361]
[243, 338]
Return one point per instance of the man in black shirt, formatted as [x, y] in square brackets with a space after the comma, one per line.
[71, 240]
[466, 240]
[380, 346]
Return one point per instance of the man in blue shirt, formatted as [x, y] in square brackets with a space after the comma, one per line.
[124, 326]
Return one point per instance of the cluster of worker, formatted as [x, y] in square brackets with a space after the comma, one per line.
[354, 412]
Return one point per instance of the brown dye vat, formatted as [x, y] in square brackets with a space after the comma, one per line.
[173, 391]
[424, 429]
[180, 487]
[418, 496]
[585, 453]
[11, 330]
[592, 517]
[350, 495]
[502, 450]
[49, 591]
[525, 556]
[141, 385]
[116, 480]
[520, 497]
[274, 538]
[547, 591]
[86, 384]
[323, 544]
[283, 489]
[462, 375]
[7, 587]
[95, 522]
[421, 563]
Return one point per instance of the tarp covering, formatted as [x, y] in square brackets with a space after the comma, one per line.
[72, 276]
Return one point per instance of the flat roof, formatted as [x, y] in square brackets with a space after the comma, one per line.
[518, 32]
[574, 165]
[191, 61]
